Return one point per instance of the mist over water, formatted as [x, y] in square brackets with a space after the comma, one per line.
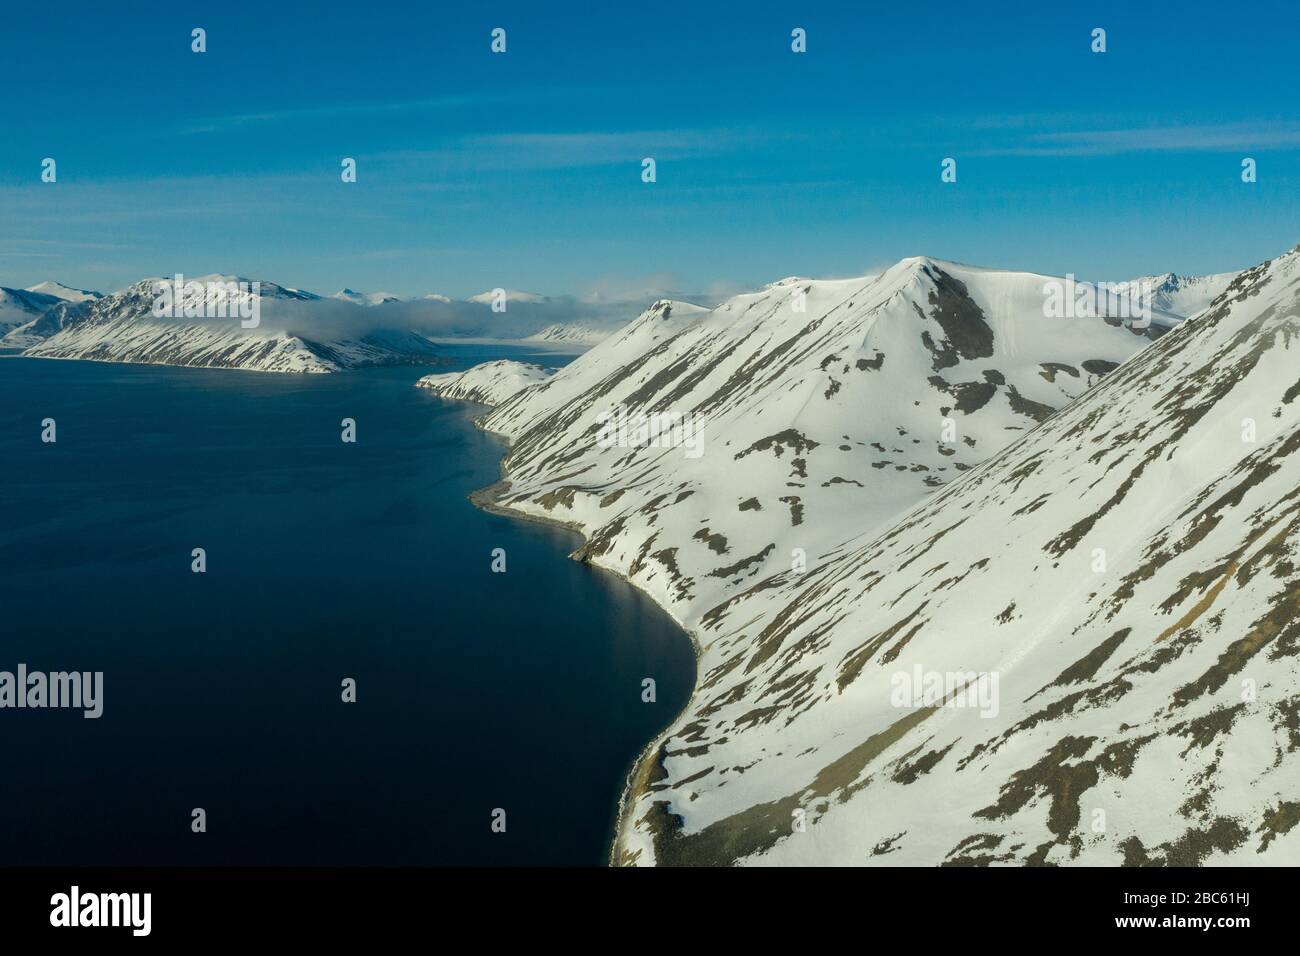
[325, 561]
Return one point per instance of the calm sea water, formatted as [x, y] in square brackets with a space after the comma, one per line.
[325, 560]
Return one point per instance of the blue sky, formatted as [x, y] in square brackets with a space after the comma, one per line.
[522, 170]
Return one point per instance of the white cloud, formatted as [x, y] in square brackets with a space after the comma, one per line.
[1146, 139]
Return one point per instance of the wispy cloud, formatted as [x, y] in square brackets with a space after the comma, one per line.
[1151, 139]
[455, 101]
[599, 148]
[70, 244]
[521, 150]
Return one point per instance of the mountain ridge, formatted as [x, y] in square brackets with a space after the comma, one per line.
[122, 327]
[790, 690]
[1009, 808]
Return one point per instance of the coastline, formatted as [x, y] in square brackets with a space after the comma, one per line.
[488, 498]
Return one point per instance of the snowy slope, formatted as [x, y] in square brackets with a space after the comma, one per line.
[121, 328]
[1185, 296]
[18, 307]
[365, 298]
[833, 543]
[560, 325]
[570, 334]
[488, 384]
[63, 292]
[47, 323]
[52, 305]
[805, 417]
[1126, 572]
[1174, 298]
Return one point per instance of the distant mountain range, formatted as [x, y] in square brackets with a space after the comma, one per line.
[368, 298]
[122, 328]
[1174, 297]
[52, 320]
[968, 584]
[304, 332]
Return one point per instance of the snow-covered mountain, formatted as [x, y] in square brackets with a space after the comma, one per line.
[881, 390]
[365, 298]
[18, 307]
[66, 293]
[488, 384]
[1126, 572]
[1185, 296]
[570, 334]
[29, 315]
[27, 318]
[1174, 298]
[122, 328]
[885, 493]
[46, 324]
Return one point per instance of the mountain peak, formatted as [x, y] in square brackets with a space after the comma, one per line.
[61, 291]
[364, 298]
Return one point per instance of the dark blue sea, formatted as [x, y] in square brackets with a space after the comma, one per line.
[325, 561]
